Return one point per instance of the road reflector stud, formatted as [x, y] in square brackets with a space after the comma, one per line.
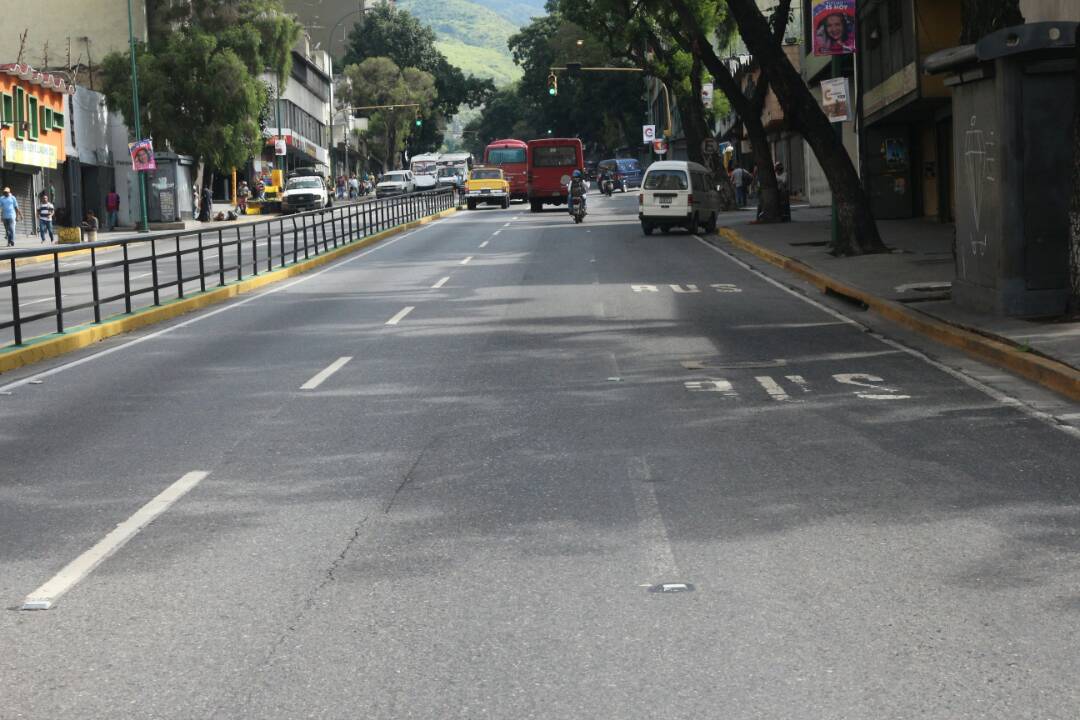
[671, 588]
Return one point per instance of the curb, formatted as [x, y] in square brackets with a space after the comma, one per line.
[50, 346]
[1052, 374]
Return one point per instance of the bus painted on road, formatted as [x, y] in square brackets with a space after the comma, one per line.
[512, 157]
[552, 161]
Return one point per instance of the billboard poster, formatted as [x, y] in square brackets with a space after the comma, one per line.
[834, 27]
[142, 155]
[834, 99]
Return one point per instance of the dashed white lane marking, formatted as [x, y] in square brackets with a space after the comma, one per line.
[199, 318]
[772, 387]
[661, 557]
[47, 595]
[35, 302]
[496, 232]
[136, 277]
[321, 377]
[506, 224]
[467, 260]
[400, 316]
[971, 382]
[442, 282]
[799, 381]
[484, 244]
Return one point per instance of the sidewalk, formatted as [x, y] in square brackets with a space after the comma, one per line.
[912, 285]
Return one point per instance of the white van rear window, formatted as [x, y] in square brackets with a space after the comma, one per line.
[665, 180]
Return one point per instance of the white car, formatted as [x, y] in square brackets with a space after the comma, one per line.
[395, 182]
[676, 193]
[303, 193]
[427, 181]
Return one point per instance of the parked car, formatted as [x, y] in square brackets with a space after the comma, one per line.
[487, 186]
[395, 182]
[626, 172]
[304, 192]
[676, 193]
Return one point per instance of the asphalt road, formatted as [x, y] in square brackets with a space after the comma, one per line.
[468, 510]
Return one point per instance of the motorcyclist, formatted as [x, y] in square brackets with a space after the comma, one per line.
[577, 191]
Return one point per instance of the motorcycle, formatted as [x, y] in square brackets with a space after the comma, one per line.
[607, 186]
[577, 210]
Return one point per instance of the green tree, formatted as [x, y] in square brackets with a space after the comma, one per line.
[199, 89]
[386, 31]
[858, 230]
[982, 17]
[379, 81]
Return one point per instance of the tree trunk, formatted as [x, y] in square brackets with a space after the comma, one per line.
[1074, 205]
[858, 231]
[695, 127]
[695, 42]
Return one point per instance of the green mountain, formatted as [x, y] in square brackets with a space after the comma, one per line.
[473, 33]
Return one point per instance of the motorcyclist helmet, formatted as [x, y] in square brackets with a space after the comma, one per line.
[577, 173]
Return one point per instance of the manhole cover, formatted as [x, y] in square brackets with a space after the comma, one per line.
[672, 587]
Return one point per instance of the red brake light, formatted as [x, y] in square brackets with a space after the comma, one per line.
[689, 199]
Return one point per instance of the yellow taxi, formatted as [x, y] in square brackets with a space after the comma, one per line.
[488, 186]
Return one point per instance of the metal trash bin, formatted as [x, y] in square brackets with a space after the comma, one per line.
[1012, 100]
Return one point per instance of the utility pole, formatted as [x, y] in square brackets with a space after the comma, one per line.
[145, 225]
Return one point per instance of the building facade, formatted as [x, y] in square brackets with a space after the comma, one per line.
[33, 118]
[303, 109]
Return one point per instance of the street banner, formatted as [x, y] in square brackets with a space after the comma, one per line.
[707, 94]
[279, 147]
[834, 99]
[142, 155]
[648, 133]
[834, 27]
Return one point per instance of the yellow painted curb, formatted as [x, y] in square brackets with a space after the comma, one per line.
[51, 346]
[1052, 374]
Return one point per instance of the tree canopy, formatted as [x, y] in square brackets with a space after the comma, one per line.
[199, 86]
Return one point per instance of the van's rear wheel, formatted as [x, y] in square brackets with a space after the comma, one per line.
[646, 228]
[535, 206]
[710, 224]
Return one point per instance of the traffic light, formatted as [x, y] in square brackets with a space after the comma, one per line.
[419, 122]
[553, 85]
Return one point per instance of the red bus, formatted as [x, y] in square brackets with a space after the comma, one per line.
[512, 156]
[551, 163]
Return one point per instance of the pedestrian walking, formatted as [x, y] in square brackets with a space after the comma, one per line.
[10, 214]
[46, 211]
[112, 210]
[242, 194]
[742, 180]
[354, 187]
[785, 192]
[207, 205]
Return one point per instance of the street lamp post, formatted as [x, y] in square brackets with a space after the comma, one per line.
[145, 225]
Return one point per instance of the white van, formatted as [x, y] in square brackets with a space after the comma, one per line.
[676, 193]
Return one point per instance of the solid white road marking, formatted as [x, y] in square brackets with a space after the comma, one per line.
[467, 260]
[720, 386]
[800, 381]
[862, 380]
[644, 288]
[400, 316]
[199, 318]
[772, 387]
[971, 382]
[688, 289]
[442, 282]
[725, 288]
[484, 244]
[320, 378]
[46, 596]
[661, 557]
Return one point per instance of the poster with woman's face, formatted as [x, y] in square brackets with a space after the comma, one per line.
[834, 27]
[142, 155]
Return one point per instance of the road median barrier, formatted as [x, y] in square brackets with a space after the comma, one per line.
[1052, 374]
[77, 338]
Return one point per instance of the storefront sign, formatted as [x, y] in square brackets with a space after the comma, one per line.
[834, 27]
[27, 152]
[834, 99]
[142, 155]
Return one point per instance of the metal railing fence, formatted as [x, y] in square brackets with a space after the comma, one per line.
[84, 289]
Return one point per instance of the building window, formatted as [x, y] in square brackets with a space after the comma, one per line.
[20, 112]
[57, 120]
[7, 114]
[35, 125]
[46, 119]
